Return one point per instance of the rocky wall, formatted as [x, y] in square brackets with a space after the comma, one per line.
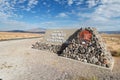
[93, 51]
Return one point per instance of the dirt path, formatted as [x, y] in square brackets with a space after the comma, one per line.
[18, 61]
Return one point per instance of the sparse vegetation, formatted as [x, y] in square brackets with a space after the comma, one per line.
[83, 78]
[94, 78]
[17, 35]
[113, 43]
[80, 78]
[115, 53]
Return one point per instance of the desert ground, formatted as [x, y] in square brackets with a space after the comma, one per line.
[16, 35]
[112, 42]
[18, 61]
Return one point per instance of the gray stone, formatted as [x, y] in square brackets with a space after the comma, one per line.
[93, 51]
[84, 60]
[94, 60]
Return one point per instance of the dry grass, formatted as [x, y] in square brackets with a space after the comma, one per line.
[113, 43]
[13, 35]
[83, 78]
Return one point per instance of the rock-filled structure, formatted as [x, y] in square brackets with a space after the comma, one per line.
[85, 45]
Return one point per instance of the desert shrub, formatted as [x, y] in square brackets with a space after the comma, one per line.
[83, 78]
[94, 78]
[116, 53]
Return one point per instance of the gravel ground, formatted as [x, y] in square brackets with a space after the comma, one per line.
[18, 61]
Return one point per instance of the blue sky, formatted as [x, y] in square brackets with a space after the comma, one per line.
[28, 14]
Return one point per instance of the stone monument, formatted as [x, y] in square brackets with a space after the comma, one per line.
[84, 44]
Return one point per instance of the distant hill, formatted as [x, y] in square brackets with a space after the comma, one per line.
[36, 30]
[16, 31]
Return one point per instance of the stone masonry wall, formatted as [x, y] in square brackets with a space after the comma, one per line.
[93, 51]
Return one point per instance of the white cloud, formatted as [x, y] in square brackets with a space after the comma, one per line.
[58, 1]
[22, 1]
[83, 15]
[32, 3]
[9, 7]
[62, 15]
[44, 3]
[110, 1]
[105, 16]
[108, 10]
[92, 3]
[70, 2]
[79, 2]
[3, 16]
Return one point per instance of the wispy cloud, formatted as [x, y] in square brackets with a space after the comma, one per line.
[31, 4]
[108, 11]
[70, 2]
[62, 15]
[105, 15]
[92, 3]
[87, 12]
[8, 9]
[21, 1]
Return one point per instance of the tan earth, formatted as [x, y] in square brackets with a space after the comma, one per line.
[17, 35]
[18, 61]
[113, 43]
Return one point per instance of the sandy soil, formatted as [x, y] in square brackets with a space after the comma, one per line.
[112, 41]
[18, 61]
[17, 35]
